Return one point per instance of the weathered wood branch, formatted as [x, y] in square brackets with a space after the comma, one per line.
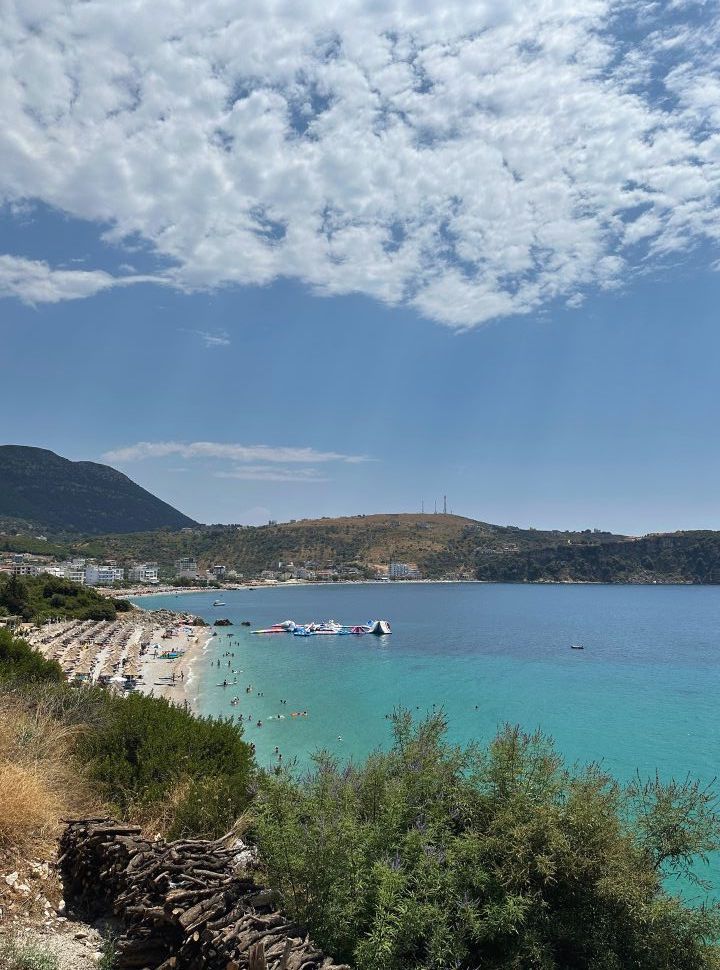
[183, 905]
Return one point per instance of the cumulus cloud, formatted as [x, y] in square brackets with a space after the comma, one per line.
[33, 281]
[472, 160]
[266, 454]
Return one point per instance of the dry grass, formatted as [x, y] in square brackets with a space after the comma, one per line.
[39, 782]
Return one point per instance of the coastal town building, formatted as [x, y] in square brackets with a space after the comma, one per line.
[74, 571]
[143, 573]
[103, 575]
[26, 569]
[403, 570]
[186, 568]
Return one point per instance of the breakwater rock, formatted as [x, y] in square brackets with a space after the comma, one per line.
[184, 905]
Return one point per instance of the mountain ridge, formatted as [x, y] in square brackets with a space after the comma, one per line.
[51, 492]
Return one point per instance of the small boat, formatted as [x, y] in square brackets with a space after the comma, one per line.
[576, 646]
[219, 603]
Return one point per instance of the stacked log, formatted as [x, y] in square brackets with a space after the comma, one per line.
[183, 905]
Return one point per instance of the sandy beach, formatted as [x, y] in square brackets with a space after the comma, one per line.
[150, 651]
[175, 679]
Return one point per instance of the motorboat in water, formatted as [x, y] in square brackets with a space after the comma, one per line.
[219, 603]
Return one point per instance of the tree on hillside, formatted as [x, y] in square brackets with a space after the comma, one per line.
[14, 597]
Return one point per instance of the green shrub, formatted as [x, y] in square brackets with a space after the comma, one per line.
[20, 662]
[430, 856]
[209, 807]
[149, 760]
[141, 748]
[38, 598]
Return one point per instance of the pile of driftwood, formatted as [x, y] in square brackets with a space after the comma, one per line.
[184, 905]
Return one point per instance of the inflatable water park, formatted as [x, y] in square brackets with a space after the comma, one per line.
[379, 628]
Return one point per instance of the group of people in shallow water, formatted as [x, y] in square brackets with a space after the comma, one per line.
[229, 656]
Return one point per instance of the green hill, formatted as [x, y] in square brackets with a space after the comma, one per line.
[678, 557]
[53, 494]
[441, 545]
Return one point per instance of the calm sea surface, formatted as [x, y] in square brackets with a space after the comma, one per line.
[642, 695]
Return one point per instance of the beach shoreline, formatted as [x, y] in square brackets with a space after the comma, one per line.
[174, 679]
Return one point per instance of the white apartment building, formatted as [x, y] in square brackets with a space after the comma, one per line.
[103, 575]
[143, 573]
[56, 571]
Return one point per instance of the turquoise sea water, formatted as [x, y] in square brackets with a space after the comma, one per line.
[642, 695]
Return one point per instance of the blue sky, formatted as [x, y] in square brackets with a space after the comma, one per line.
[370, 258]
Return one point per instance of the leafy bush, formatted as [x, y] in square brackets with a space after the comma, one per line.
[37, 598]
[208, 807]
[18, 661]
[141, 748]
[430, 856]
[145, 759]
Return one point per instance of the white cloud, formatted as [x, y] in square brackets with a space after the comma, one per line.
[273, 473]
[266, 454]
[218, 339]
[33, 281]
[470, 159]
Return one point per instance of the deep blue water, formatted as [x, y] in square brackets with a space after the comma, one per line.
[642, 695]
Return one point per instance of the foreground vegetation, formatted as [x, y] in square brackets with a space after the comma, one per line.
[39, 598]
[430, 856]
[425, 857]
[140, 757]
[19, 955]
